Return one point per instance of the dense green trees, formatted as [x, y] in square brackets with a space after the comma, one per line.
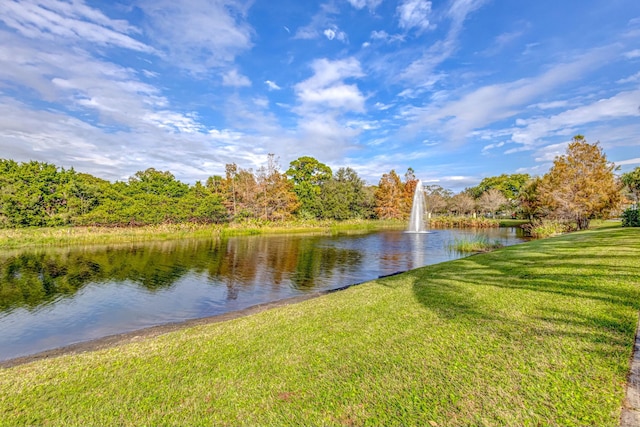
[308, 176]
[344, 196]
[631, 186]
[580, 186]
[40, 194]
[509, 185]
[631, 183]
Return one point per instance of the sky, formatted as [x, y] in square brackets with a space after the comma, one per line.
[457, 90]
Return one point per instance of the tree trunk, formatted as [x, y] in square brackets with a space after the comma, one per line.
[583, 222]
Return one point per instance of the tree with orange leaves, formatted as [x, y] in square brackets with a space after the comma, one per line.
[580, 185]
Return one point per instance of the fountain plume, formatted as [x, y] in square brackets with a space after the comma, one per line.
[418, 208]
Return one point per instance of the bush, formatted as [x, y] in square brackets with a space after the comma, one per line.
[545, 228]
[631, 217]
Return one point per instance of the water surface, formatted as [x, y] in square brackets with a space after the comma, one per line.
[56, 297]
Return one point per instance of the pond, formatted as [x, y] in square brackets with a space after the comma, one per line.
[51, 298]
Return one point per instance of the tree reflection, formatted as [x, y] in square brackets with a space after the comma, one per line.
[32, 278]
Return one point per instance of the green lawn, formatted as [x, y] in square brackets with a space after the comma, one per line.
[534, 334]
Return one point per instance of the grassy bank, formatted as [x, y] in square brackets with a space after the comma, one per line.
[535, 334]
[23, 237]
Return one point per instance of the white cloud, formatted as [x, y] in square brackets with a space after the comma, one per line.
[379, 35]
[548, 153]
[100, 118]
[174, 122]
[360, 4]
[334, 33]
[492, 146]
[55, 20]
[233, 78]
[550, 105]
[441, 50]
[384, 36]
[492, 103]
[27, 134]
[382, 107]
[622, 105]
[635, 161]
[77, 82]
[502, 41]
[414, 14]
[460, 9]
[326, 88]
[338, 96]
[319, 23]
[631, 79]
[633, 54]
[272, 85]
[199, 34]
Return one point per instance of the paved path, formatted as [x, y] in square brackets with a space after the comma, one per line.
[631, 409]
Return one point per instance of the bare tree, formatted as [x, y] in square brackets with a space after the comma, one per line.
[462, 204]
[491, 201]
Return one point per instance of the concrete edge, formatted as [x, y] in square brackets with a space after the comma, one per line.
[630, 416]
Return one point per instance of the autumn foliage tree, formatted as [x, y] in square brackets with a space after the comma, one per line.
[276, 198]
[531, 207]
[580, 185]
[389, 196]
[393, 198]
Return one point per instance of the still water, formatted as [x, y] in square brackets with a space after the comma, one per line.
[56, 297]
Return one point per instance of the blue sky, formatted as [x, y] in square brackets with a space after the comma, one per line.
[458, 90]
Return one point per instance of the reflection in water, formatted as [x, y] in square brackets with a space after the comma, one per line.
[55, 297]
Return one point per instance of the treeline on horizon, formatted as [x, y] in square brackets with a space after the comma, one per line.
[40, 194]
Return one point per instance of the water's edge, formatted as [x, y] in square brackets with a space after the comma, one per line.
[154, 331]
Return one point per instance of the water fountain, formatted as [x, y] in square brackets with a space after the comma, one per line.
[416, 220]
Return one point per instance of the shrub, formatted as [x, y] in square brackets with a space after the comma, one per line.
[545, 228]
[631, 217]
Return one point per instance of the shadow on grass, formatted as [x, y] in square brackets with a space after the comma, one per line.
[584, 285]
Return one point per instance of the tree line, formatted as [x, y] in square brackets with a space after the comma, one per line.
[581, 185]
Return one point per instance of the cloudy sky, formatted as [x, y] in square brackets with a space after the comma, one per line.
[456, 89]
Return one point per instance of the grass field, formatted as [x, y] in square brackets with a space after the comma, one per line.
[534, 334]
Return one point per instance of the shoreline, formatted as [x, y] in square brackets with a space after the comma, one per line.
[153, 331]
[115, 340]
